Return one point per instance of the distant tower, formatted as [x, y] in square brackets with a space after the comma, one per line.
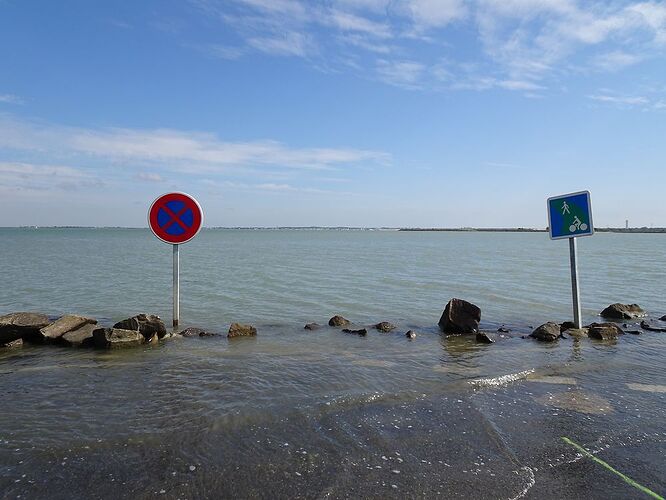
[626, 224]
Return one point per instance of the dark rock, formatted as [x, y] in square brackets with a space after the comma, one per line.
[13, 343]
[147, 324]
[240, 330]
[663, 318]
[362, 332]
[567, 325]
[411, 335]
[105, 338]
[460, 316]
[604, 331]
[623, 311]
[385, 326]
[633, 332]
[338, 321]
[484, 338]
[312, 326]
[81, 336]
[548, 332]
[647, 326]
[19, 325]
[503, 329]
[64, 324]
[197, 332]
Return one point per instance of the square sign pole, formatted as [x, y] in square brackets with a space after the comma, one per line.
[570, 216]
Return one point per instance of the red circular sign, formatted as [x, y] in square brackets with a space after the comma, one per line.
[175, 217]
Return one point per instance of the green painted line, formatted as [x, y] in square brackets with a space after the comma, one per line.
[626, 479]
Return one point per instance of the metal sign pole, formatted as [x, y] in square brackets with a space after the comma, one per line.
[176, 286]
[575, 291]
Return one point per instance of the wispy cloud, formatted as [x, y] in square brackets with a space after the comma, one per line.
[11, 99]
[621, 100]
[44, 177]
[176, 150]
[526, 45]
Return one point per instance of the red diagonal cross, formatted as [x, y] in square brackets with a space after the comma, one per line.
[174, 218]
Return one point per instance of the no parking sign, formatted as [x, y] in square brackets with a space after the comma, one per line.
[175, 218]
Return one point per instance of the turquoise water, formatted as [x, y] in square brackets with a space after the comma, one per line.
[324, 414]
[292, 276]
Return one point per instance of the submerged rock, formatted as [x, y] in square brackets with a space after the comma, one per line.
[312, 326]
[197, 332]
[576, 332]
[240, 330]
[548, 332]
[503, 329]
[647, 326]
[338, 321]
[484, 338]
[385, 326]
[147, 324]
[604, 331]
[623, 311]
[65, 324]
[21, 325]
[411, 335]
[663, 318]
[362, 332]
[460, 316]
[105, 338]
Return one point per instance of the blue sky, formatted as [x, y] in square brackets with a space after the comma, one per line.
[440, 113]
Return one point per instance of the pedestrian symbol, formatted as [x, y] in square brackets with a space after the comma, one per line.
[570, 215]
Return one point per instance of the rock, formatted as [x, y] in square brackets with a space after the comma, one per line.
[633, 332]
[548, 332]
[411, 335]
[81, 336]
[197, 332]
[147, 324]
[106, 338]
[484, 338]
[604, 331]
[385, 326]
[576, 332]
[460, 316]
[567, 325]
[64, 324]
[13, 343]
[20, 325]
[647, 326]
[312, 326]
[338, 321]
[623, 311]
[663, 318]
[239, 330]
[362, 332]
[503, 329]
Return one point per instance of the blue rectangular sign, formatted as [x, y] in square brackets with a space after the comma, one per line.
[570, 215]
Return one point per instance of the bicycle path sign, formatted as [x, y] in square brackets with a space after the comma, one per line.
[570, 215]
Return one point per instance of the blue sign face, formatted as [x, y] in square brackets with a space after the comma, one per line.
[570, 215]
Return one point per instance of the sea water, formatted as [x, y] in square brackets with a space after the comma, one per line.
[293, 413]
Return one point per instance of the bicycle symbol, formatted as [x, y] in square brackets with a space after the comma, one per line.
[577, 225]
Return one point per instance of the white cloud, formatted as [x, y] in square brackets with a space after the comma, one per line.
[523, 45]
[11, 99]
[44, 177]
[177, 150]
[621, 100]
[149, 177]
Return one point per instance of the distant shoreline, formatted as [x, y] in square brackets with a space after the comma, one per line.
[631, 230]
